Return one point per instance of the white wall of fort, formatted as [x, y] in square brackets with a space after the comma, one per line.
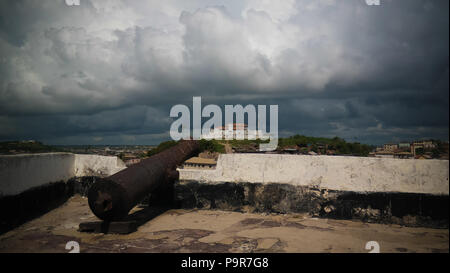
[359, 174]
[344, 173]
[22, 172]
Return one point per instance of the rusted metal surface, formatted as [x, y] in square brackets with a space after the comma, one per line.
[111, 198]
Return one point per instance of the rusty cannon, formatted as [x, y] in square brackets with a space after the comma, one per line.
[111, 198]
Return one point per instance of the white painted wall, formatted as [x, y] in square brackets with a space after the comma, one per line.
[95, 165]
[358, 174]
[22, 172]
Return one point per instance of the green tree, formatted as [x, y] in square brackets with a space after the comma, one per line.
[211, 146]
[162, 146]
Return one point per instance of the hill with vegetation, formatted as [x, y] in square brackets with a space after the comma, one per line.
[302, 144]
[336, 145]
[17, 147]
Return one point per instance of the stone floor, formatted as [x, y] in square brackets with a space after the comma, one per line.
[219, 231]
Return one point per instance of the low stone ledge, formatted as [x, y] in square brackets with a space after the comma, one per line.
[410, 209]
[20, 208]
[17, 209]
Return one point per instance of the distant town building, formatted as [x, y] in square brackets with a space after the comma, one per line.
[406, 150]
[233, 131]
[390, 146]
[133, 161]
[426, 144]
[404, 145]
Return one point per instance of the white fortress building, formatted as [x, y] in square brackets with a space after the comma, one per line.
[233, 131]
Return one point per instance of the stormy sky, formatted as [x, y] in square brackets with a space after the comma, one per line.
[108, 71]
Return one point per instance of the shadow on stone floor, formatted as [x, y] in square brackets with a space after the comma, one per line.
[130, 224]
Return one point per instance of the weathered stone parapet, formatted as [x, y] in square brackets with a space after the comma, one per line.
[33, 184]
[385, 207]
[340, 173]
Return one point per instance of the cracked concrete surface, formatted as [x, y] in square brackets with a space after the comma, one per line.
[219, 231]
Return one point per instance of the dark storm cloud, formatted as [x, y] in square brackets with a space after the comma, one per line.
[109, 71]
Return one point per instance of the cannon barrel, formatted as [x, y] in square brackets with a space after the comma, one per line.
[111, 198]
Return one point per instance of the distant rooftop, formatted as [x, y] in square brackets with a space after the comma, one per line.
[236, 126]
[199, 160]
